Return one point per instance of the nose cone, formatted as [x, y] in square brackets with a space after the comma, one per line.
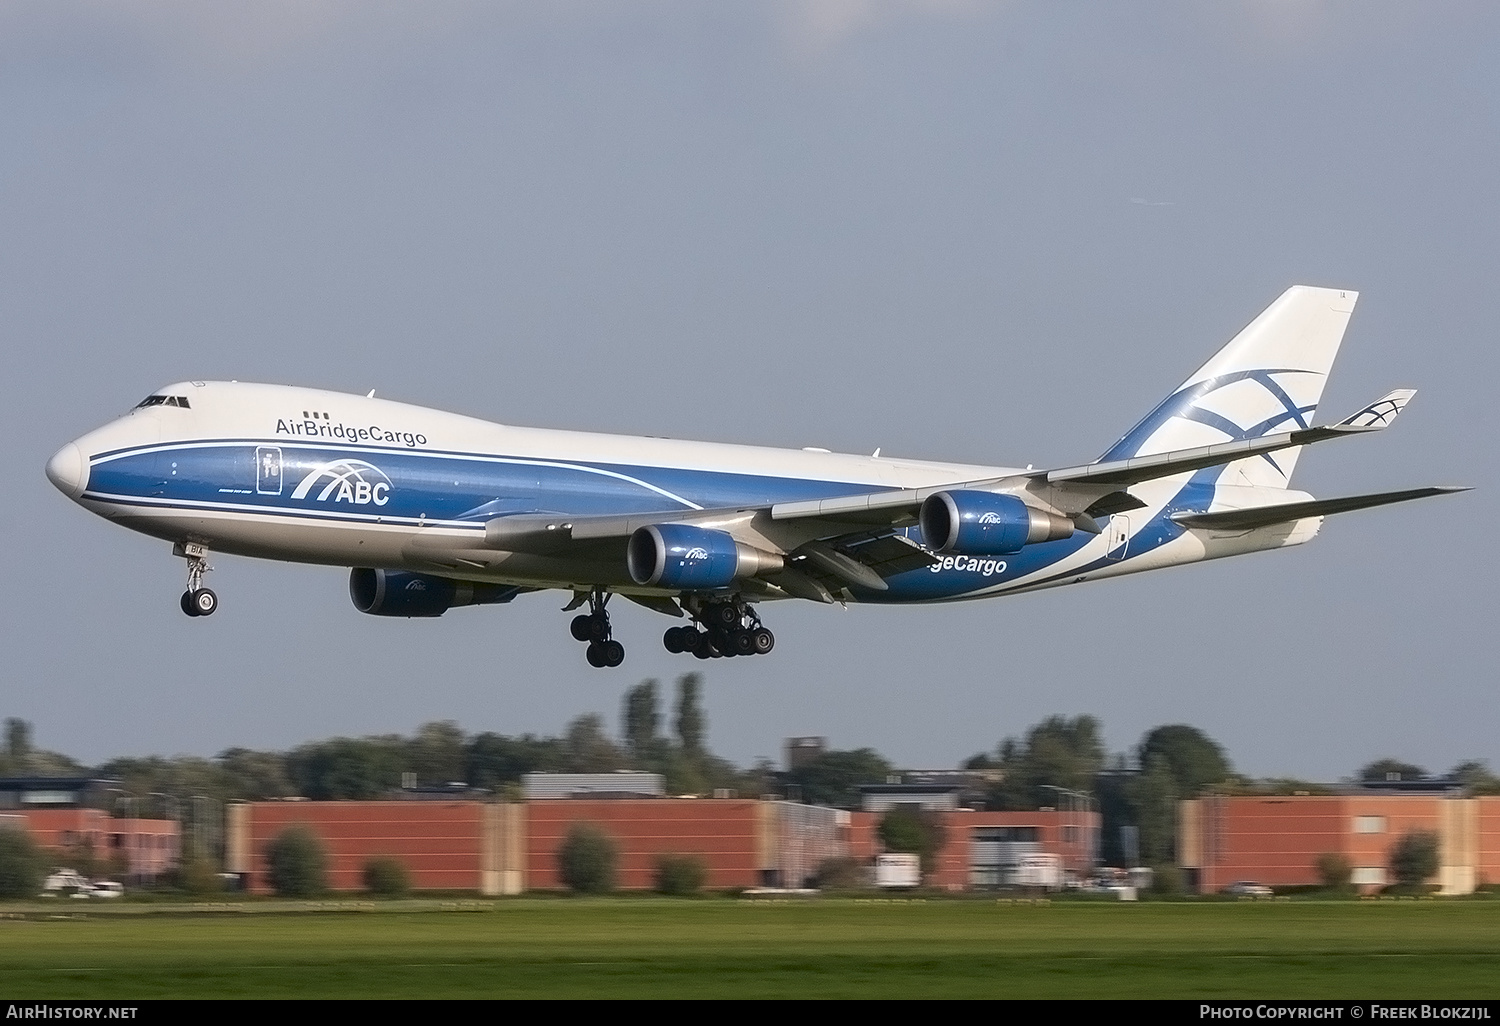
[66, 470]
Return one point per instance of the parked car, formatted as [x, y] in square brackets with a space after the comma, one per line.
[1248, 889]
[107, 889]
[64, 881]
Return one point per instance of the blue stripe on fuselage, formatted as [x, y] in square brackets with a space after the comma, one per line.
[338, 482]
[437, 487]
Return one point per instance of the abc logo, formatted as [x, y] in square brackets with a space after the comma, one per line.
[353, 481]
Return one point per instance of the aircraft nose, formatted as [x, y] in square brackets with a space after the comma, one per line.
[66, 470]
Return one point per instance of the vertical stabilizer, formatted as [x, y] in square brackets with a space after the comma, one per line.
[1269, 378]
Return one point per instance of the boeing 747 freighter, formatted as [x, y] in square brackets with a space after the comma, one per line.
[433, 510]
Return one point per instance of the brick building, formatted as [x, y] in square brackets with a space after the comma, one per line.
[988, 849]
[147, 848]
[1276, 840]
[505, 848]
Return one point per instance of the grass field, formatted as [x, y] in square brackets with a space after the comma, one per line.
[643, 947]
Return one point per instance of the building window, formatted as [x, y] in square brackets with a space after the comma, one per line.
[1369, 824]
[1008, 835]
[1368, 876]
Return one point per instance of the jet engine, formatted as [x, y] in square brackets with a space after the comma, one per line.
[986, 524]
[400, 593]
[684, 556]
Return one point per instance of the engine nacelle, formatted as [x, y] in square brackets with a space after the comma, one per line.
[986, 523]
[683, 556]
[401, 593]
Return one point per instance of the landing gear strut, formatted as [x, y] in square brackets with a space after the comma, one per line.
[593, 627]
[731, 628]
[197, 600]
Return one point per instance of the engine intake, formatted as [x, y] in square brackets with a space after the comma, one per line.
[401, 593]
[986, 523]
[684, 556]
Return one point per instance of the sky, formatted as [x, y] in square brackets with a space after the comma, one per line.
[987, 232]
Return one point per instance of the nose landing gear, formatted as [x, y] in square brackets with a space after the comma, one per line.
[197, 600]
[593, 627]
[731, 628]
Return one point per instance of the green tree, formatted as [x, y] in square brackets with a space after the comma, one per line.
[1058, 752]
[17, 745]
[587, 860]
[1153, 800]
[833, 778]
[1414, 858]
[680, 875]
[588, 749]
[345, 768]
[436, 753]
[1476, 778]
[386, 875]
[198, 875]
[254, 776]
[494, 759]
[911, 829]
[1193, 758]
[1335, 871]
[22, 864]
[642, 719]
[296, 863]
[1392, 769]
[691, 725]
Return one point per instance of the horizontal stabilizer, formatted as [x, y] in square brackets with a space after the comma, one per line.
[1382, 411]
[1265, 516]
[1374, 417]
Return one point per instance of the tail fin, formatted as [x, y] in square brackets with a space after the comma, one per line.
[1269, 378]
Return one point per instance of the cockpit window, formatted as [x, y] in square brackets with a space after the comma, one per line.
[163, 400]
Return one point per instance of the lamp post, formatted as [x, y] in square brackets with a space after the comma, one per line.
[1072, 809]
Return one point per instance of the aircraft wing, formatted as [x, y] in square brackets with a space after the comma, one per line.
[1079, 490]
[853, 540]
[1282, 513]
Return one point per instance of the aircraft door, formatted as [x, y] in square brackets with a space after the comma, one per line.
[268, 470]
[1117, 539]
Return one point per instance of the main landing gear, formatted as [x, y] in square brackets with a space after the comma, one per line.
[593, 627]
[197, 600]
[730, 628]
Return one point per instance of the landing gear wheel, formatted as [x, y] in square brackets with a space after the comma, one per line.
[673, 641]
[722, 640]
[722, 614]
[743, 643]
[604, 653]
[197, 600]
[762, 641]
[702, 647]
[613, 653]
[579, 628]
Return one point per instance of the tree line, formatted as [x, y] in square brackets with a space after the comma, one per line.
[1059, 762]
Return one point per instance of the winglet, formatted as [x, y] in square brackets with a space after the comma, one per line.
[1381, 412]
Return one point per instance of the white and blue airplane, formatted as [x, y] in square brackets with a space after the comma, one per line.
[434, 510]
